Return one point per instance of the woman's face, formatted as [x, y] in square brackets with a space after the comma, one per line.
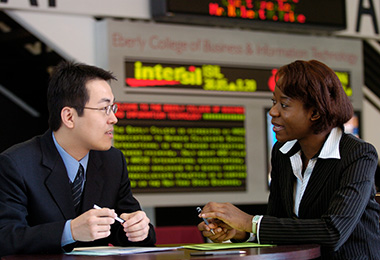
[289, 118]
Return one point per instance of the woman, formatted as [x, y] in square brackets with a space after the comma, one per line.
[322, 188]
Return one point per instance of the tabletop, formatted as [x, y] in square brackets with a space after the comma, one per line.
[290, 252]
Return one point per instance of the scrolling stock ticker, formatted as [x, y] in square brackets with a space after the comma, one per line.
[177, 147]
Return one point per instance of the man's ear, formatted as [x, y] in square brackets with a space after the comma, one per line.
[315, 115]
[67, 116]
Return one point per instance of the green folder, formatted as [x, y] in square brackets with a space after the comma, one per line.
[217, 246]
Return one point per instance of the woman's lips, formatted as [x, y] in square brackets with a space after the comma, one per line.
[277, 127]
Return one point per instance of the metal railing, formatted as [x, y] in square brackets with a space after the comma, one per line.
[371, 54]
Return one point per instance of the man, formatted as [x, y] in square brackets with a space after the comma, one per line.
[44, 208]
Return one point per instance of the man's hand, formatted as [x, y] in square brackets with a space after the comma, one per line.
[93, 224]
[136, 225]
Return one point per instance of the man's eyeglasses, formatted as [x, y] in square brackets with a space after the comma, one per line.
[106, 109]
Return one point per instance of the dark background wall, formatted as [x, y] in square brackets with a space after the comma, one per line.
[24, 72]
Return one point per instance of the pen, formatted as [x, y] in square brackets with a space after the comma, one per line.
[117, 218]
[205, 220]
[231, 252]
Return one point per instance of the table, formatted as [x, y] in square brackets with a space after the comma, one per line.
[289, 252]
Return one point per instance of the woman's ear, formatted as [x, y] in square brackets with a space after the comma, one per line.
[67, 116]
[315, 115]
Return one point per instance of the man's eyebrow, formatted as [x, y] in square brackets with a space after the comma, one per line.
[107, 100]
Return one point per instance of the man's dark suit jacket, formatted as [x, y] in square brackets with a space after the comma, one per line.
[36, 198]
[338, 209]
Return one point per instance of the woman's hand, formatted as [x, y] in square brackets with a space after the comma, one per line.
[226, 220]
[220, 231]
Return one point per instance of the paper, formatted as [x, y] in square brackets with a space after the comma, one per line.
[114, 250]
[216, 246]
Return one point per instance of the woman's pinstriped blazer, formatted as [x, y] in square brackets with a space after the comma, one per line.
[338, 209]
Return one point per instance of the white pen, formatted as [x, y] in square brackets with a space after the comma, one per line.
[230, 252]
[116, 218]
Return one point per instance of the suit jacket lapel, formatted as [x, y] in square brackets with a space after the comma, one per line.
[289, 189]
[57, 181]
[94, 182]
[59, 187]
[321, 173]
[288, 180]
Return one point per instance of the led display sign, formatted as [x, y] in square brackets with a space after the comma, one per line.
[182, 147]
[199, 77]
[292, 14]
[206, 77]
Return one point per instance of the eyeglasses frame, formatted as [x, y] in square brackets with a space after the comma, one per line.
[106, 109]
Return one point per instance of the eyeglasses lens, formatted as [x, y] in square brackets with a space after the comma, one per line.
[113, 108]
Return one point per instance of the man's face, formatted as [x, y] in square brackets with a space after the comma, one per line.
[94, 129]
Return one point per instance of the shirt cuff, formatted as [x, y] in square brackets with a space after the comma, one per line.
[67, 237]
[252, 236]
[257, 236]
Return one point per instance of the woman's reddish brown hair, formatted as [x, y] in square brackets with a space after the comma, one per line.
[316, 86]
